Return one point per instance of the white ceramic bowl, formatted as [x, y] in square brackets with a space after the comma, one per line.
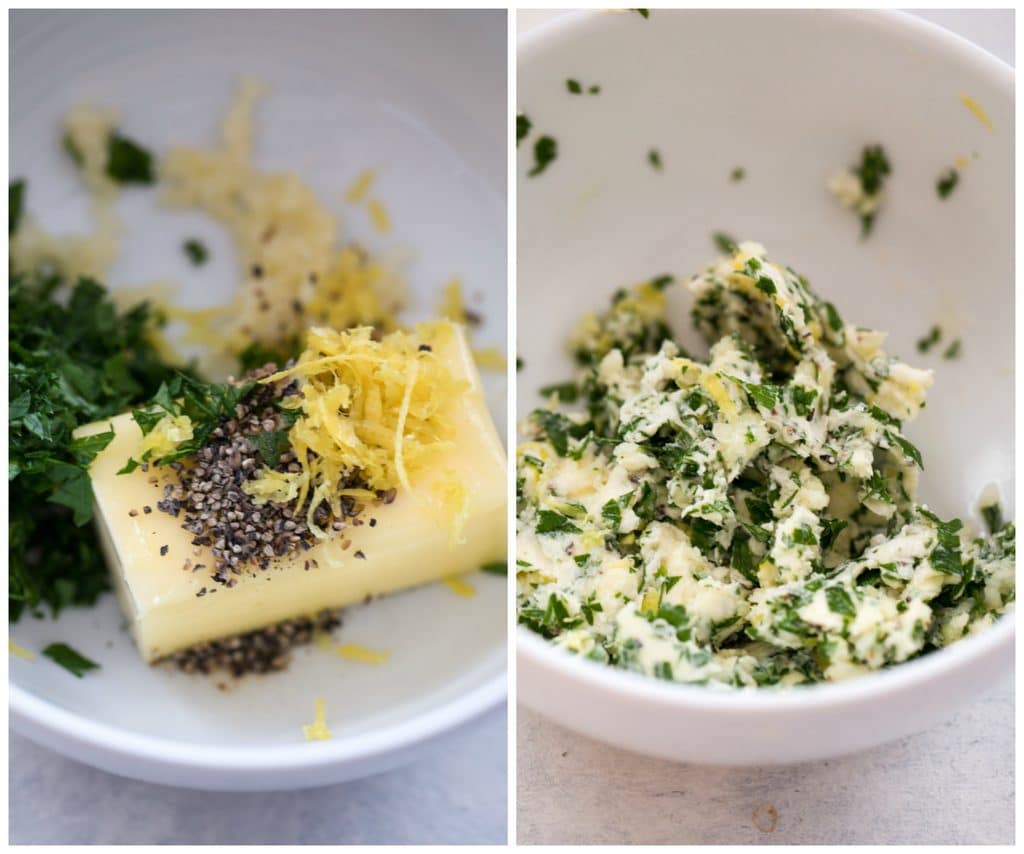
[790, 97]
[421, 98]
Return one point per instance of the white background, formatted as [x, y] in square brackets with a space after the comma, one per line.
[952, 784]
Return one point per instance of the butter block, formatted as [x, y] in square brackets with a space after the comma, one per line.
[170, 608]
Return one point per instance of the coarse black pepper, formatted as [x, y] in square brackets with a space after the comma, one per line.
[261, 651]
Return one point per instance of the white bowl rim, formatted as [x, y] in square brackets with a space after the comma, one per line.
[545, 34]
[537, 652]
[115, 741]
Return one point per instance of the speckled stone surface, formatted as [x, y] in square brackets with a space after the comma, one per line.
[953, 784]
[457, 795]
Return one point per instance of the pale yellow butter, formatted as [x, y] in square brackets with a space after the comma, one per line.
[409, 545]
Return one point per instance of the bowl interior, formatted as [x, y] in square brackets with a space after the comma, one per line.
[349, 91]
[791, 97]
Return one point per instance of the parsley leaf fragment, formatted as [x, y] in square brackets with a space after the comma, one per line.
[947, 182]
[196, 251]
[71, 660]
[545, 150]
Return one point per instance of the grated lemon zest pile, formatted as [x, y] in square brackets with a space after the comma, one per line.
[294, 274]
[317, 731]
[372, 411]
[460, 587]
[19, 651]
[355, 652]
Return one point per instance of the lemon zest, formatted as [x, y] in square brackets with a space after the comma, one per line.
[355, 652]
[19, 651]
[460, 587]
[318, 731]
[490, 358]
[379, 216]
[977, 110]
[360, 186]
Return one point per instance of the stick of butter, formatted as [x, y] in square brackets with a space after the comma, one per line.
[170, 608]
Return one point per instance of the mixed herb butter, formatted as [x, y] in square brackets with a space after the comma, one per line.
[749, 519]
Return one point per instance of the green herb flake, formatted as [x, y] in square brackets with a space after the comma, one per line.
[840, 602]
[545, 150]
[550, 522]
[644, 13]
[568, 392]
[947, 182]
[574, 86]
[725, 243]
[71, 660]
[497, 567]
[72, 150]
[15, 200]
[654, 158]
[835, 322]
[523, 126]
[271, 445]
[993, 516]
[128, 162]
[873, 169]
[196, 251]
[765, 396]
[953, 350]
[930, 340]
[737, 174]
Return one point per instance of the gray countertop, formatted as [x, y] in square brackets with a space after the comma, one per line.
[459, 794]
[951, 784]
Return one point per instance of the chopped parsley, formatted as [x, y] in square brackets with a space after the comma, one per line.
[74, 359]
[15, 199]
[577, 88]
[873, 169]
[204, 404]
[545, 150]
[71, 660]
[947, 182]
[930, 340]
[498, 567]
[654, 158]
[724, 243]
[737, 174]
[196, 251]
[953, 350]
[127, 161]
[523, 126]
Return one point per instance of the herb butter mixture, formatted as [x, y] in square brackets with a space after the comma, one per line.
[749, 519]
